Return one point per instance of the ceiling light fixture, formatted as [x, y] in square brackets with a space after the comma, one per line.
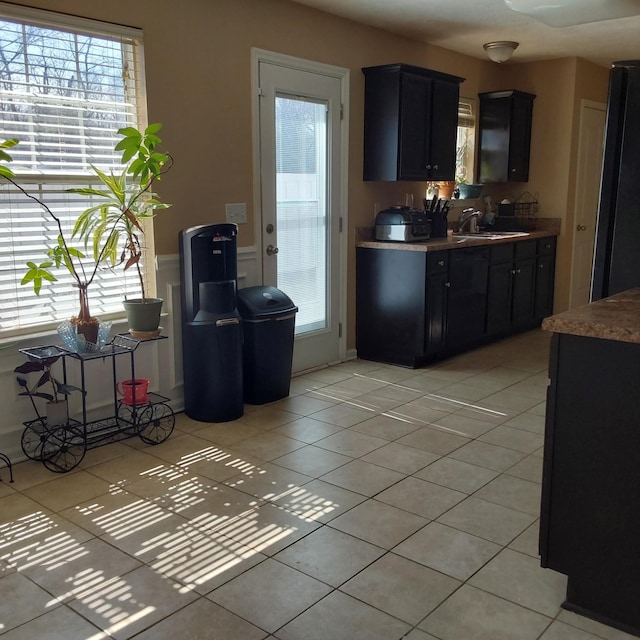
[566, 13]
[500, 51]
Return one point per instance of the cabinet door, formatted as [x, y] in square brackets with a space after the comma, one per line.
[493, 151]
[543, 304]
[390, 305]
[523, 283]
[415, 116]
[520, 139]
[436, 316]
[467, 301]
[499, 298]
[444, 128]
[505, 136]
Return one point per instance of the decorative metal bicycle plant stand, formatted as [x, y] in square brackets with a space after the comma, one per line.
[62, 447]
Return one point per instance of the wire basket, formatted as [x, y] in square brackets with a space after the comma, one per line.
[526, 211]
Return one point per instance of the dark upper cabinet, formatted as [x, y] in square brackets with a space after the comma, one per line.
[410, 123]
[504, 136]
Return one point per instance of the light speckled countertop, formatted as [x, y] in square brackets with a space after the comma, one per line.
[614, 318]
[365, 237]
[451, 242]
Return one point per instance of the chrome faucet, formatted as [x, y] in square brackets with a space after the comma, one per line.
[471, 217]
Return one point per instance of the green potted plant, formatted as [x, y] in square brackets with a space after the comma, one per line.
[62, 253]
[46, 387]
[114, 226]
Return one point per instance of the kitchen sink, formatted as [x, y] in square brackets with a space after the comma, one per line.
[490, 235]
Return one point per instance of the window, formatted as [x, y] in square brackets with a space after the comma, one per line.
[66, 86]
[465, 145]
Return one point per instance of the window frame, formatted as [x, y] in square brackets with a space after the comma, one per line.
[467, 118]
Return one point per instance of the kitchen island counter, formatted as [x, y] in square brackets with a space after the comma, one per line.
[589, 520]
[614, 318]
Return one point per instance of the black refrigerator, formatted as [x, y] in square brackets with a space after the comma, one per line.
[616, 265]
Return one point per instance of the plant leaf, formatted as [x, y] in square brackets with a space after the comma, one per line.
[29, 367]
[6, 172]
[66, 389]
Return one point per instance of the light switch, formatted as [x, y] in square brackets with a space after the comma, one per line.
[236, 212]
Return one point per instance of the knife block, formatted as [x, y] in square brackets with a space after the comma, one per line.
[438, 226]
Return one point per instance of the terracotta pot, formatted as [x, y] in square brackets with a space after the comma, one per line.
[445, 190]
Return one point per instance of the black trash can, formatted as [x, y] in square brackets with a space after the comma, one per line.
[268, 321]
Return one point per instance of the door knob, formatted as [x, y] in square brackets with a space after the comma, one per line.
[271, 250]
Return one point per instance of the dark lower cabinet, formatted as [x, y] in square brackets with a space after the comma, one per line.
[437, 294]
[520, 288]
[415, 306]
[499, 296]
[467, 303]
[545, 276]
[523, 284]
[590, 518]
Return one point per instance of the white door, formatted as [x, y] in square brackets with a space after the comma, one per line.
[300, 134]
[589, 173]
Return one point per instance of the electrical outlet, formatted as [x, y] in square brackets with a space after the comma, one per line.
[236, 212]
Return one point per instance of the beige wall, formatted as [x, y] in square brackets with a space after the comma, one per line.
[199, 85]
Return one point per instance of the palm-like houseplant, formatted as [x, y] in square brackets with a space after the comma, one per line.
[60, 254]
[114, 226]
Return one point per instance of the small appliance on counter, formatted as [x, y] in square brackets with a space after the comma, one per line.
[402, 224]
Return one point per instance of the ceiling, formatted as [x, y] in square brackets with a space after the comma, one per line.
[465, 25]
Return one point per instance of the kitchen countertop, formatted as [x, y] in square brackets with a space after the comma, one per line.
[614, 318]
[452, 242]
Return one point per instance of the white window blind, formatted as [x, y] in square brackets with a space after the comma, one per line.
[66, 86]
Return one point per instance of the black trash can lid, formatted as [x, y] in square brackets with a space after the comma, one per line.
[264, 301]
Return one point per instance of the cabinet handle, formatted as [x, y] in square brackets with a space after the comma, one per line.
[581, 227]
[435, 166]
[428, 166]
[447, 284]
[517, 270]
[513, 272]
[541, 266]
[441, 263]
[513, 170]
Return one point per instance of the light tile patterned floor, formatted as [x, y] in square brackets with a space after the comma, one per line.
[376, 503]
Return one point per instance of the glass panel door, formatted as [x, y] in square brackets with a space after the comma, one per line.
[301, 207]
[300, 134]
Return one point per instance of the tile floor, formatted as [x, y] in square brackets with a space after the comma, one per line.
[376, 503]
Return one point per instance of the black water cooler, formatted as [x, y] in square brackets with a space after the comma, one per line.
[211, 330]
